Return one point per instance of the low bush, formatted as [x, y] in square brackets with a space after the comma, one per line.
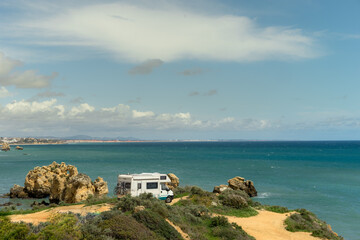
[62, 226]
[305, 221]
[277, 209]
[219, 221]
[125, 227]
[235, 199]
[158, 224]
[14, 231]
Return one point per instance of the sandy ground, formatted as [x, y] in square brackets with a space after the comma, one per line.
[43, 216]
[269, 225]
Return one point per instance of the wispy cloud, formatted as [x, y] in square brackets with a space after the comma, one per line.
[206, 94]
[137, 35]
[21, 79]
[4, 93]
[146, 67]
[46, 94]
[136, 100]
[192, 72]
[77, 100]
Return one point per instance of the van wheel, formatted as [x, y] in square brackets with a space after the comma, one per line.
[168, 200]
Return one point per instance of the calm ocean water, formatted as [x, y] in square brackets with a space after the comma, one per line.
[323, 177]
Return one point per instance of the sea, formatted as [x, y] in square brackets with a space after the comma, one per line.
[321, 176]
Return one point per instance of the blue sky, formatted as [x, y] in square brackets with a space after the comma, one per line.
[270, 70]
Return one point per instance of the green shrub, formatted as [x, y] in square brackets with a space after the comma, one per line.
[125, 227]
[219, 221]
[305, 221]
[62, 226]
[277, 209]
[157, 224]
[14, 231]
[235, 198]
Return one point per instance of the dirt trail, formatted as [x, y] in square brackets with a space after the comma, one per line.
[175, 200]
[269, 225]
[43, 216]
[177, 228]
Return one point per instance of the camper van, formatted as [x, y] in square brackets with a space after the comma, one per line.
[136, 184]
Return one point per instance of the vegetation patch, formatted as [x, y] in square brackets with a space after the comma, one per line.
[277, 209]
[305, 221]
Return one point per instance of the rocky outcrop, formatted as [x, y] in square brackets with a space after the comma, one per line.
[38, 182]
[18, 192]
[59, 182]
[238, 183]
[19, 148]
[174, 181]
[5, 147]
[220, 188]
[101, 187]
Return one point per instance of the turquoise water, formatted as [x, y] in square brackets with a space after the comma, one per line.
[323, 177]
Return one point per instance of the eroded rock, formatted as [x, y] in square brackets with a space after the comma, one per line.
[18, 192]
[174, 181]
[239, 183]
[59, 182]
[38, 182]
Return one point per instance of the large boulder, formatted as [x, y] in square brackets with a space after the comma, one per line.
[59, 182]
[239, 183]
[174, 181]
[18, 192]
[5, 147]
[38, 182]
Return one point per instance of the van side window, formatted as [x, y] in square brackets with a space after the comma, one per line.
[151, 185]
[162, 177]
[139, 185]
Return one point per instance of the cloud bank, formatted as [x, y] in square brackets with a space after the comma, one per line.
[21, 79]
[48, 117]
[135, 33]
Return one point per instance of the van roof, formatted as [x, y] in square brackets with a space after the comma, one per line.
[155, 176]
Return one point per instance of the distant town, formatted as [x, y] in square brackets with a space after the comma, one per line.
[79, 139]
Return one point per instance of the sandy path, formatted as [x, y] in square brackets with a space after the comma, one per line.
[177, 228]
[43, 216]
[175, 200]
[269, 225]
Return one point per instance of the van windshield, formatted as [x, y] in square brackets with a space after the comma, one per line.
[164, 187]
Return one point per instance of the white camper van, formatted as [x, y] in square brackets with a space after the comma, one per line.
[136, 184]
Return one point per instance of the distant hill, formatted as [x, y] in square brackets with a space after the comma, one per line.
[86, 137]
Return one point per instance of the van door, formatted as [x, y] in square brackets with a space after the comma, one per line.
[164, 191]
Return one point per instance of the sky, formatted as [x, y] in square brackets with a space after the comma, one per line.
[167, 69]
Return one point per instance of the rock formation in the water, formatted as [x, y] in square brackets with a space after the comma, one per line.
[5, 147]
[238, 183]
[174, 181]
[59, 182]
[19, 148]
[18, 192]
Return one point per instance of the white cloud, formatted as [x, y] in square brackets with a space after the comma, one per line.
[49, 117]
[135, 32]
[4, 93]
[25, 79]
